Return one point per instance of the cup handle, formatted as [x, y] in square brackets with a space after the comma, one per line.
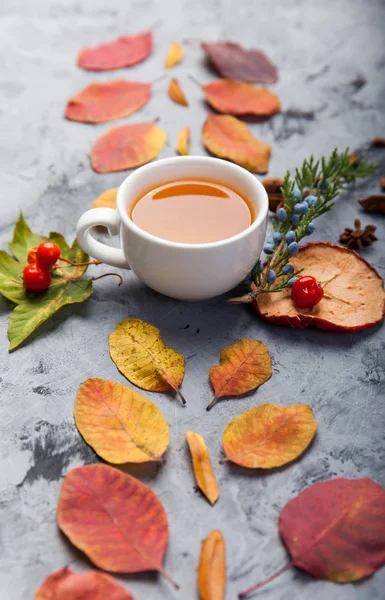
[104, 217]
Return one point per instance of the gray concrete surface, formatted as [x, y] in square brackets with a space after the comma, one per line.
[331, 59]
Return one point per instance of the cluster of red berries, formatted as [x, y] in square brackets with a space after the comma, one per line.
[41, 260]
[306, 292]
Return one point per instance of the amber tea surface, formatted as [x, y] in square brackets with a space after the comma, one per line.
[192, 211]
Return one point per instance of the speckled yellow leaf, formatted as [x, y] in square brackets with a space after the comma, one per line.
[119, 423]
[182, 141]
[174, 55]
[212, 567]
[243, 367]
[106, 200]
[140, 354]
[176, 93]
[203, 470]
[269, 436]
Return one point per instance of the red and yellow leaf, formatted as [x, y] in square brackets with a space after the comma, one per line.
[203, 470]
[123, 52]
[239, 98]
[107, 101]
[269, 436]
[212, 567]
[127, 147]
[176, 93]
[121, 425]
[182, 141]
[227, 137]
[174, 55]
[334, 530]
[235, 62]
[92, 585]
[106, 200]
[243, 367]
[116, 520]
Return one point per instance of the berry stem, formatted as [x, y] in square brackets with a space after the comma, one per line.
[258, 586]
[71, 264]
[107, 275]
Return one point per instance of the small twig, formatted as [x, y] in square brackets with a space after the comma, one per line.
[191, 76]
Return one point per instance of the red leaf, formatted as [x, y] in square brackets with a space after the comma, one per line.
[234, 62]
[334, 530]
[122, 52]
[240, 98]
[93, 585]
[107, 101]
[115, 519]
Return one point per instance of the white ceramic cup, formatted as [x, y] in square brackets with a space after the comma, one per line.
[182, 271]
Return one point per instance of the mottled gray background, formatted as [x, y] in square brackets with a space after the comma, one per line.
[331, 60]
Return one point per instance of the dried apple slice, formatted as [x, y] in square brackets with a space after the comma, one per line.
[354, 292]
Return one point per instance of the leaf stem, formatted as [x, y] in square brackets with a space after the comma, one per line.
[168, 578]
[212, 403]
[258, 586]
[107, 275]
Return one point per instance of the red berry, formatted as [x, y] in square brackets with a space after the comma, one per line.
[306, 292]
[48, 253]
[32, 255]
[36, 277]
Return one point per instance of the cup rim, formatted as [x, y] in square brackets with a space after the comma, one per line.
[261, 216]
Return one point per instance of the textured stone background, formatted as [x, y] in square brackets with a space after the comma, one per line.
[331, 59]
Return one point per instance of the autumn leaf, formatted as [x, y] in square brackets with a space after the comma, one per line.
[240, 98]
[212, 567]
[123, 52]
[182, 141]
[33, 309]
[203, 470]
[243, 367]
[176, 93]
[269, 436]
[138, 351]
[233, 61]
[116, 520]
[106, 200]
[107, 101]
[92, 585]
[227, 137]
[174, 55]
[374, 204]
[127, 147]
[334, 530]
[121, 425]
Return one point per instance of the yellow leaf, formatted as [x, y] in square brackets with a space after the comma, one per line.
[140, 354]
[182, 141]
[175, 92]
[202, 466]
[269, 436]
[120, 424]
[244, 366]
[174, 55]
[106, 200]
[212, 567]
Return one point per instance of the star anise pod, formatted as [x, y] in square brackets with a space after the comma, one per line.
[357, 237]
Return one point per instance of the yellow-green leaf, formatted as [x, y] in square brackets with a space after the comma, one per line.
[24, 240]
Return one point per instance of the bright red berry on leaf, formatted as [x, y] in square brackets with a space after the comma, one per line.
[36, 278]
[48, 253]
[306, 292]
[32, 255]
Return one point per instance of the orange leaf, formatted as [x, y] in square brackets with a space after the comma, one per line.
[244, 366]
[203, 470]
[93, 585]
[107, 101]
[239, 98]
[120, 424]
[116, 520]
[227, 137]
[122, 52]
[174, 55]
[175, 92]
[106, 200]
[212, 567]
[269, 436]
[127, 147]
[182, 141]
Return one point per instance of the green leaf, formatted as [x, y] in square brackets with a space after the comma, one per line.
[74, 253]
[33, 310]
[24, 240]
[11, 278]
